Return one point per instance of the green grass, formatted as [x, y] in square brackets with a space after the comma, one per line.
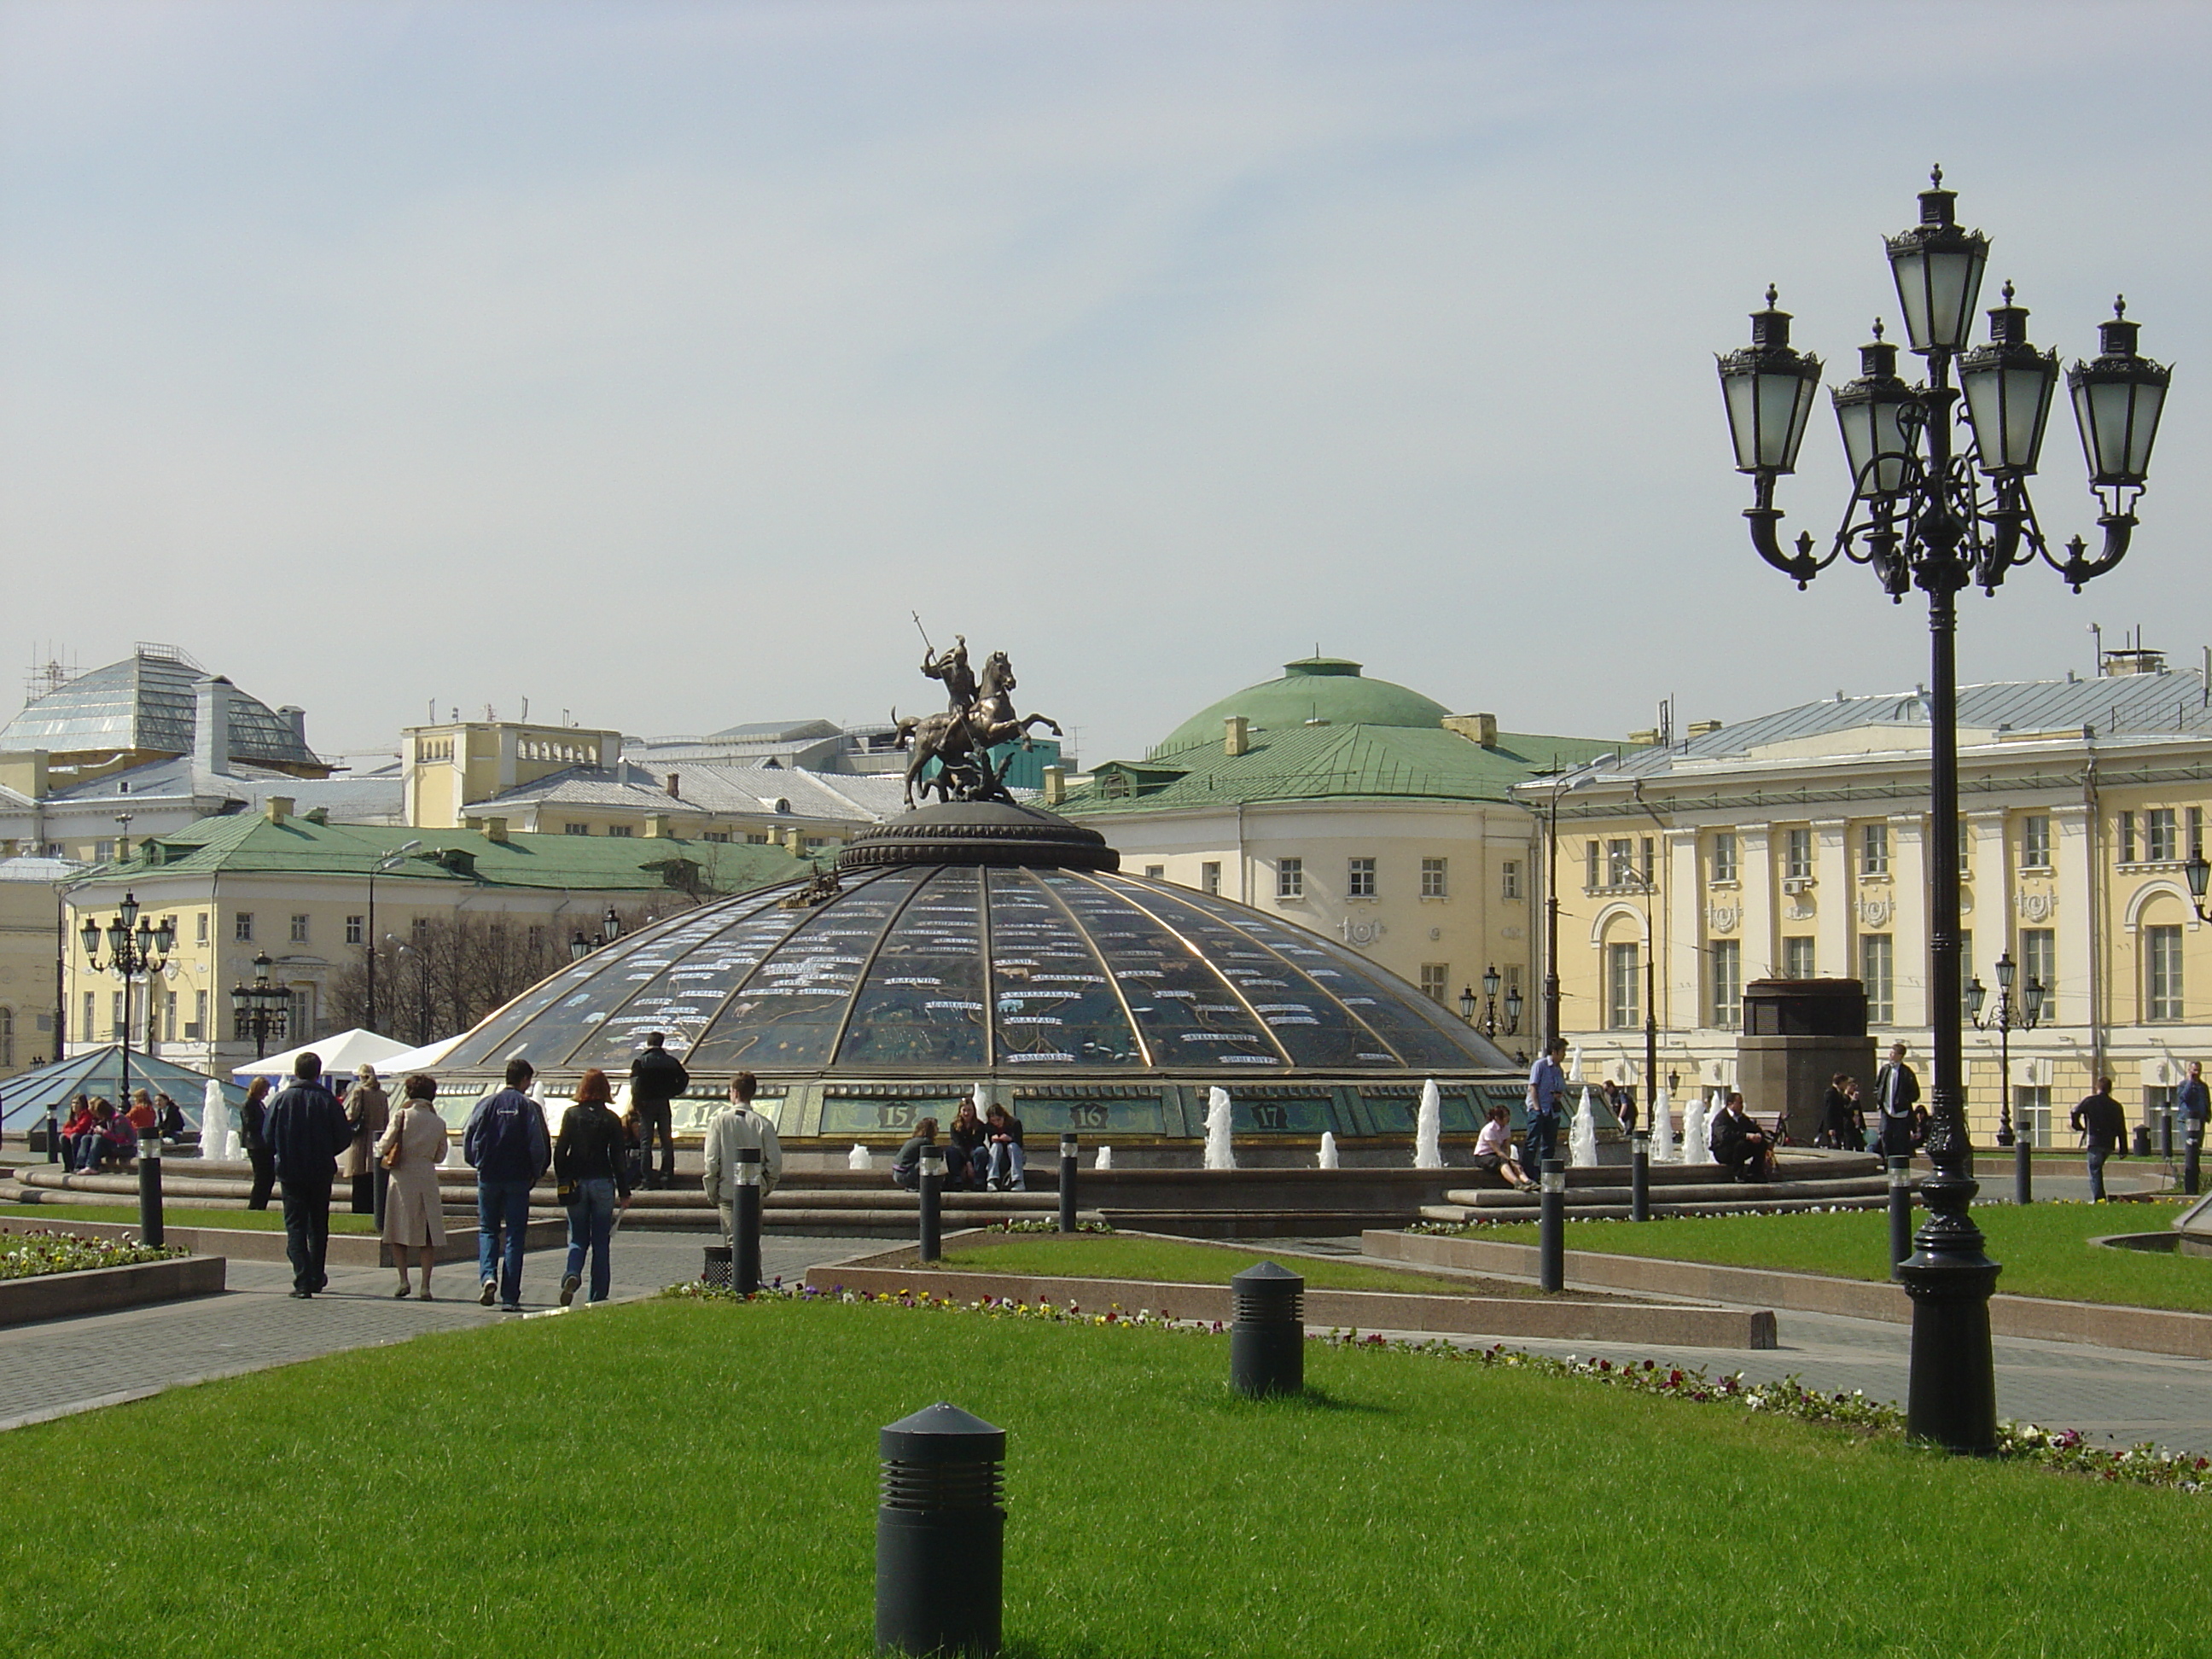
[2045, 1248]
[675, 1478]
[341, 1221]
[1092, 1256]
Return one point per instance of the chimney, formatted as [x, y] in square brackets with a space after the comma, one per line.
[211, 723]
[1237, 738]
[25, 772]
[279, 807]
[1481, 729]
[657, 827]
[676, 785]
[297, 718]
[1704, 728]
[495, 829]
[1055, 785]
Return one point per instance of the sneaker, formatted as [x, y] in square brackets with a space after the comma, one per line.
[489, 1294]
[570, 1286]
[510, 1307]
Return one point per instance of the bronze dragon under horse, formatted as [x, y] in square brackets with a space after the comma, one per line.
[980, 718]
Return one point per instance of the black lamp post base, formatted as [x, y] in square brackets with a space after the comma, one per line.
[1952, 1399]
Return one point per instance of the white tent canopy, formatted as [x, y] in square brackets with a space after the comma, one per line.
[341, 1052]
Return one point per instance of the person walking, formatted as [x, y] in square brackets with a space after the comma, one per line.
[1839, 1115]
[2196, 1105]
[656, 1077]
[736, 1126]
[368, 1111]
[252, 1124]
[1547, 1087]
[2099, 1119]
[589, 1167]
[307, 1130]
[506, 1143]
[1896, 1092]
[411, 1147]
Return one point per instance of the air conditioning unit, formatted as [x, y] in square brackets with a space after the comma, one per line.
[1797, 884]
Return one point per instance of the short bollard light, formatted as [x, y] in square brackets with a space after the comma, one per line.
[930, 1181]
[1639, 1178]
[1067, 1168]
[2166, 1134]
[149, 1190]
[1268, 1341]
[53, 1137]
[1551, 1226]
[746, 1223]
[940, 1534]
[1900, 1211]
[2023, 1168]
[2193, 1147]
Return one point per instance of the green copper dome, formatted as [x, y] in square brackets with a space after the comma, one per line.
[1313, 689]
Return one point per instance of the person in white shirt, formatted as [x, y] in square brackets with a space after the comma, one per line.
[735, 1125]
[1493, 1150]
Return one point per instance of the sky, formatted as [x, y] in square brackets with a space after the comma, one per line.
[653, 361]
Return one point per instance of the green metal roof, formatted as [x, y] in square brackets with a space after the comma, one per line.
[1324, 763]
[250, 843]
[1329, 689]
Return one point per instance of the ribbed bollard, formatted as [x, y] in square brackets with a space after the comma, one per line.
[930, 1180]
[149, 1190]
[2023, 1171]
[1267, 1341]
[1552, 1226]
[940, 1534]
[1901, 1212]
[53, 1138]
[2192, 1147]
[746, 1223]
[1067, 1167]
[2166, 1134]
[1639, 1178]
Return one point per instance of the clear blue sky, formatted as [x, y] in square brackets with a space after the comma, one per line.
[654, 360]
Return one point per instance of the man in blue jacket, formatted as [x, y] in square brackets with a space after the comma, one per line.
[506, 1143]
[304, 1129]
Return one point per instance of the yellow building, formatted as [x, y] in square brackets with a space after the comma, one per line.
[1794, 846]
[30, 989]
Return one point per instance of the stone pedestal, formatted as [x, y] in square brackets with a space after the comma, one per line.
[1797, 1035]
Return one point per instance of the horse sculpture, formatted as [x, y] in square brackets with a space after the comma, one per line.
[961, 739]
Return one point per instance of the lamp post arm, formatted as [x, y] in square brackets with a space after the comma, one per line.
[2078, 568]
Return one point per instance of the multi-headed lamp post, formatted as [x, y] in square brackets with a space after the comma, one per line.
[611, 929]
[2008, 1017]
[136, 949]
[1490, 984]
[261, 1007]
[1938, 501]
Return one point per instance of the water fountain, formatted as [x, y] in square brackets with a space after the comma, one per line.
[1582, 1142]
[1104, 1160]
[1662, 1128]
[1328, 1150]
[1694, 1149]
[858, 1158]
[1220, 1154]
[1428, 1129]
[216, 1140]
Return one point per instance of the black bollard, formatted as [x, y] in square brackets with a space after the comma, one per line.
[2166, 1134]
[745, 1222]
[1901, 1212]
[1267, 1342]
[1639, 1178]
[383, 1193]
[2023, 1172]
[940, 1534]
[149, 1190]
[1552, 1226]
[930, 1177]
[1067, 1154]
[2193, 1143]
[53, 1138]
[2142, 1140]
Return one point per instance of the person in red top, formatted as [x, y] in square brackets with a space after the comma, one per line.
[143, 1117]
[79, 1125]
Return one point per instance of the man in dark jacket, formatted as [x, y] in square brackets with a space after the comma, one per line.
[506, 1143]
[1896, 1092]
[305, 1129]
[2100, 1119]
[657, 1077]
[1744, 1148]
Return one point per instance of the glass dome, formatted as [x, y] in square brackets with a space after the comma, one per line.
[1011, 974]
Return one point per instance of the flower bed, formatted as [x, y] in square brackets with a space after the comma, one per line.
[28, 1255]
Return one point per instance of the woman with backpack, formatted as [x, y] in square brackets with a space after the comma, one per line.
[589, 1167]
[412, 1145]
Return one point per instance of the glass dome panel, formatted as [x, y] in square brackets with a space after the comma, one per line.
[1052, 998]
[922, 1001]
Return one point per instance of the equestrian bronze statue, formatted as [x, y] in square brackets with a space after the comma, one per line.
[979, 718]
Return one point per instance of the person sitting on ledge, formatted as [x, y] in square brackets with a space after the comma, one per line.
[906, 1168]
[171, 1115]
[1741, 1145]
[1493, 1150]
[967, 1152]
[1003, 1138]
[80, 1125]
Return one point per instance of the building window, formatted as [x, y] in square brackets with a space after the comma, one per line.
[299, 930]
[760, 840]
[717, 835]
[419, 931]
[1623, 987]
[2035, 842]
[576, 829]
[1509, 879]
[1360, 878]
[1289, 878]
[103, 851]
[1155, 873]
[196, 1025]
[1874, 849]
[1619, 862]
[2160, 836]
[241, 928]
[1432, 878]
[1965, 959]
[1797, 957]
[300, 1018]
[1724, 856]
[2038, 962]
[1727, 970]
[2127, 838]
[1435, 981]
[2196, 832]
[87, 1021]
[1878, 973]
[1589, 878]
[115, 1015]
[169, 1019]
[355, 931]
[2031, 1115]
[1209, 876]
[1797, 854]
[1966, 847]
[2161, 973]
[200, 927]
[621, 832]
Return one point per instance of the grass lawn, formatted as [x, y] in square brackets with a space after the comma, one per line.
[1091, 1255]
[272, 1220]
[666, 1476]
[2045, 1248]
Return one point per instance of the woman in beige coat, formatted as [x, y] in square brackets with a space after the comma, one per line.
[414, 1216]
[368, 1110]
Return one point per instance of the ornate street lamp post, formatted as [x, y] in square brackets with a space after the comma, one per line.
[261, 1007]
[1938, 501]
[2006, 1017]
[136, 949]
[1490, 984]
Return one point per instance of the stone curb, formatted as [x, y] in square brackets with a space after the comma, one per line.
[2147, 1330]
[99, 1290]
[257, 1244]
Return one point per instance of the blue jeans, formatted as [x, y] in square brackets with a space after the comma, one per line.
[591, 1220]
[501, 1205]
[1006, 1163]
[1543, 1136]
[2097, 1156]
